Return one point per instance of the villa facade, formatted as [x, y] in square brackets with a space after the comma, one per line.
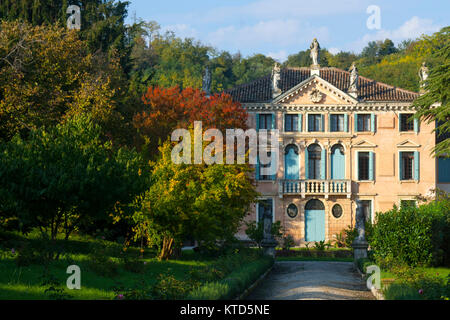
[342, 138]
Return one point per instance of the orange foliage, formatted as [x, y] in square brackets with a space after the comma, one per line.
[172, 108]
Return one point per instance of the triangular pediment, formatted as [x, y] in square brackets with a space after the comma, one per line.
[317, 91]
[408, 144]
[364, 144]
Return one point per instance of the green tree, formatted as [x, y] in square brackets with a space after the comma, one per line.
[47, 73]
[207, 203]
[434, 105]
[65, 177]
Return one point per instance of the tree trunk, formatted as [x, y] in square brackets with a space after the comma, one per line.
[167, 249]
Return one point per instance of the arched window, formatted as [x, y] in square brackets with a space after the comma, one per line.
[290, 147]
[314, 161]
[314, 204]
[337, 162]
[291, 162]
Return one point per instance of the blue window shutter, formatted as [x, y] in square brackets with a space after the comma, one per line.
[257, 122]
[300, 121]
[329, 122]
[371, 156]
[400, 166]
[274, 124]
[346, 122]
[416, 165]
[310, 120]
[372, 122]
[416, 125]
[306, 164]
[273, 159]
[322, 122]
[356, 122]
[323, 165]
[284, 122]
[257, 168]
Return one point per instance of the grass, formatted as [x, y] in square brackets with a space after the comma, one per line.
[25, 282]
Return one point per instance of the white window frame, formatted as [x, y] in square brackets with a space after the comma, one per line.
[372, 206]
[273, 208]
[307, 122]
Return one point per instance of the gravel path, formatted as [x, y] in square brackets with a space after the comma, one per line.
[312, 280]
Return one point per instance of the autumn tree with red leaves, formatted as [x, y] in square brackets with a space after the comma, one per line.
[172, 108]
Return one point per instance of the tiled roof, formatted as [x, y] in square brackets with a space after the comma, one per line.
[260, 90]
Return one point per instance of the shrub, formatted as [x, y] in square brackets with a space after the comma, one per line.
[415, 236]
[255, 231]
[234, 284]
[349, 234]
[414, 284]
[288, 242]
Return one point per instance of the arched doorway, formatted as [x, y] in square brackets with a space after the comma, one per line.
[314, 220]
[337, 162]
[291, 163]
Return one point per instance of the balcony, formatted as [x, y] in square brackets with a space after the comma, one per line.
[315, 187]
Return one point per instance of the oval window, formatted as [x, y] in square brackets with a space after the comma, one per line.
[337, 211]
[292, 210]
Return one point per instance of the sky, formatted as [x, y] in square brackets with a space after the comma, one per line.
[278, 28]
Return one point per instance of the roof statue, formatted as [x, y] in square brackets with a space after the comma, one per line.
[276, 77]
[423, 74]
[206, 85]
[315, 52]
[353, 88]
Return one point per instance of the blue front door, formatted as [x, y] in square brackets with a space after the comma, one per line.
[314, 225]
[291, 164]
[337, 164]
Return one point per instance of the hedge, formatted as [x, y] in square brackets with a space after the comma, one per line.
[415, 236]
[234, 284]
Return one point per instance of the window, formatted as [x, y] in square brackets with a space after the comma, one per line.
[367, 209]
[315, 122]
[263, 176]
[407, 203]
[292, 210]
[337, 211]
[406, 122]
[291, 123]
[265, 206]
[314, 161]
[407, 165]
[444, 170]
[363, 166]
[363, 122]
[314, 204]
[337, 122]
[265, 121]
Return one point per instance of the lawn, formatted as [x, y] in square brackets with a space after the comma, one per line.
[25, 282]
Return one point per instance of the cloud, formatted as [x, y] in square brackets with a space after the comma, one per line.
[334, 50]
[272, 33]
[270, 9]
[411, 29]
[182, 30]
[279, 56]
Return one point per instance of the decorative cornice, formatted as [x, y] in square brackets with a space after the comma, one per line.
[315, 79]
[366, 106]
